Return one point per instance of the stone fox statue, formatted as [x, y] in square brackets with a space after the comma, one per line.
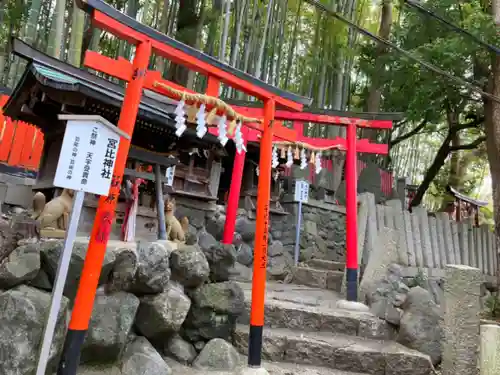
[55, 214]
[176, 231]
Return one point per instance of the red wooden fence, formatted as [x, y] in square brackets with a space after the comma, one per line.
[21, 144]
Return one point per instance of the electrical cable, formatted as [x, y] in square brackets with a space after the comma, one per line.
[458, 29]
[409, 55]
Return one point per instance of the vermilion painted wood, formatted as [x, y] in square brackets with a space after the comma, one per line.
[107, 23]
[122, 69]
[36, 155]
[21, 144]
[17, 146]
[319, 119]
[27, 146]
[6, 138]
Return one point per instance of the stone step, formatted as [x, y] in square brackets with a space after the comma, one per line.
[273, 368]
[344, 353]
[326, 265]
[318, 318]
[319, 278]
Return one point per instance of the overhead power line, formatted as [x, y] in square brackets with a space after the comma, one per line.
[429, 66]
[458, 29]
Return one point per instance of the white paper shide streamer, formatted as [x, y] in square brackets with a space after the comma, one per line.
[222, 129]
[275, 161]
[201, 126]
[303, 159]
[289, 157]
[317, 162]
[180, 120]
[238, 139]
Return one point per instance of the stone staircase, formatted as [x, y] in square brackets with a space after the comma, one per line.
[304, 325]
[319, 273]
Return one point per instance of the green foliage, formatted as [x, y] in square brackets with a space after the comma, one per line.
[420, 280]
[492, 305]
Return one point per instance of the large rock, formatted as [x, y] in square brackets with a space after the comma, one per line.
[123, 272]
[221, 259]
[8, 240]
[22, 265]
[41, 281]
[163, 313]
[246, 228]
[386, 296]
[181, 350]
[23, 311]
[214, 312]
[275, 249]
[141, 358]
[51, 253]
[111, 322]
[153, 271]
[206, 240]
[189, 266]
[420, 326]
[225, 298]
[217, 354]
[215, 223]
[279, 266]
[244, 254]
[241, 273]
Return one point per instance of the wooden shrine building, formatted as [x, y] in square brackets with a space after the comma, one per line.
[50, 87]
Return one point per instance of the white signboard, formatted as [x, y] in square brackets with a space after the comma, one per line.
[301, 191]
[88, 156]
[170, 175]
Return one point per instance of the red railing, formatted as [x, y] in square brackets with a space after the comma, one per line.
[21, 144]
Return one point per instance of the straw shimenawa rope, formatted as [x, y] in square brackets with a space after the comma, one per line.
[208, 101]
[309, 146]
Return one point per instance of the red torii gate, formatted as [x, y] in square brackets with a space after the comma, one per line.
[138, 77]
[121, 68]
[350, 144]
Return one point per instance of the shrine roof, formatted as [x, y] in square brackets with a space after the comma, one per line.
[51, 86]
[465, 198]
[98, 5]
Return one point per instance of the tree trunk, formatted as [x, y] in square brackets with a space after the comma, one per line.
[293, 43]
[373, 102]
[238, 20]
[76, 37]
[225, 31]
[258, 64]
[160, 60]
[433, 170]
[187, 20]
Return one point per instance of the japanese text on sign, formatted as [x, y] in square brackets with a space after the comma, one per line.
[74, 154]
[301, 191]
[109, 159]
[87, 157]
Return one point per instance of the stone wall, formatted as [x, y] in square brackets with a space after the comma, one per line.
[430, 241]
[323, 226]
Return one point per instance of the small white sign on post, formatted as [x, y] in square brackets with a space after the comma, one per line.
[86, 164]
[170, 174]
[301, 196]
[88, 155]
[301, 191]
